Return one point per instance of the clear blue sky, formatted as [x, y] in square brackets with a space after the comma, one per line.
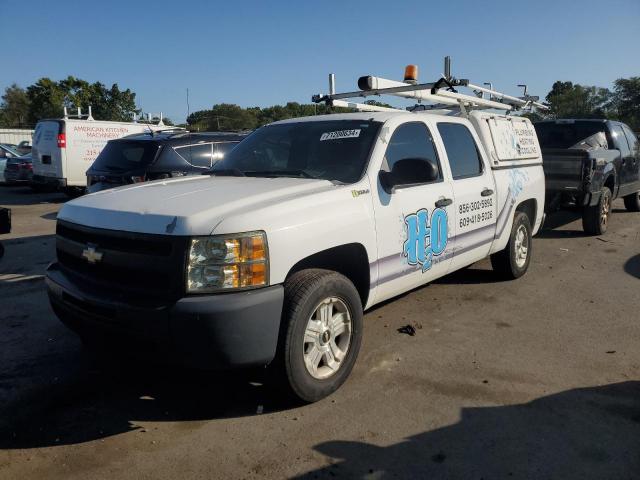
[267, 52]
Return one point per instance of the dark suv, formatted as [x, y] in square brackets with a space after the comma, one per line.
[157, 155]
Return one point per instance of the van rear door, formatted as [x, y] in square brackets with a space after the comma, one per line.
[48, 147]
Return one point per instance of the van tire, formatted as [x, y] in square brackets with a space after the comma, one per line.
[74, 192]
[632, 202]
[305, 293]
[595, 218]
[509, 263]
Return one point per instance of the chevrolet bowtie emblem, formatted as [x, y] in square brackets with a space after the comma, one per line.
[91, 254]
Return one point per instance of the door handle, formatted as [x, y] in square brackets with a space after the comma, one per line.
[443, 202]
[486, 192]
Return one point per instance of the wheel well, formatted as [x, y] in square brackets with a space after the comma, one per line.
[611, 183]
[530, 209]
[350, 260]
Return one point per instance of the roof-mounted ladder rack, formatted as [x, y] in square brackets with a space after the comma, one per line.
[79, 115]
[441, 94]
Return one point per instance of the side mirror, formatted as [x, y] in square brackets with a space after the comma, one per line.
[409, 171]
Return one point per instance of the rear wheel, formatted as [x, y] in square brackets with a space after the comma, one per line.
[322, 333]
[595, 219]
[513, 261]
[632, 202]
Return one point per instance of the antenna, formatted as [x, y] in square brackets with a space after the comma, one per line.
[188, 108]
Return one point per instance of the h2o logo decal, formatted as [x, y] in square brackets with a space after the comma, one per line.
[425, 239]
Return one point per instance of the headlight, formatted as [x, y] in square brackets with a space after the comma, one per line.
[222, 262]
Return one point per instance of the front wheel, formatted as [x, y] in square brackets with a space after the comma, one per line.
[323, 333]
[513, 261]
[632, 202]
[595, 219]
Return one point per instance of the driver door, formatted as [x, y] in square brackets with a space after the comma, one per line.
[414, 220]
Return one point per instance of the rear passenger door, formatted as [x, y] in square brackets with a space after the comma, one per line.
[473, 192]
[633, 164]
[625, 162]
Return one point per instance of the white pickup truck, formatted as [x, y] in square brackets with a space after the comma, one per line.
[272, 259]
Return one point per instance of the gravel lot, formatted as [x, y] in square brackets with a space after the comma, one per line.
[535, 378]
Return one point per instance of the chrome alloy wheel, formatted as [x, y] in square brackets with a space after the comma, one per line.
[521, 246]
[605, 211]
[327, 338]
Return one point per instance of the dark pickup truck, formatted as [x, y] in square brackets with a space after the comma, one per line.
[588, 164]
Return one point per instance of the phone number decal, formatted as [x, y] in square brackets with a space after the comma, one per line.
[478, 211]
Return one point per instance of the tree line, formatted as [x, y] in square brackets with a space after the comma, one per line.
[23, 107]
[46, 98]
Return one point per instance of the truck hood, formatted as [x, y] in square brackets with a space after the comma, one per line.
[184, 206]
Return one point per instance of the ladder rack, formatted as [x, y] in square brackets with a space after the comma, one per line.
[441, 93]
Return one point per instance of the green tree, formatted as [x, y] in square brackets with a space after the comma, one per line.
[47, 99]
[224, 116]
[14, 109]
[567, 100]
[626, 101]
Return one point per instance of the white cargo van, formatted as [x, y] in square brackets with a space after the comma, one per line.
[63, 149]
[272, 259]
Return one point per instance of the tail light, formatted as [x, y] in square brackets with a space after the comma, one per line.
[62, 140]
[137, 179]
[26, 166]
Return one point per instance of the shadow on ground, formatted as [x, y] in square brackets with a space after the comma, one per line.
[101, 402]
[471, 275]
[24, 195]
[577, 434]
[560, 219]
[632, 266]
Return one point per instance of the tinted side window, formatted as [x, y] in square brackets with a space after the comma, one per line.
[221, 149]
[462, 151]
[412, 140]
[197, 155]
[620, 142]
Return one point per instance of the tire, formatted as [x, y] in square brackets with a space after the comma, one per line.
[74, 192]
[513, 261]
[595, 219]
[632, 202]
[308, 294]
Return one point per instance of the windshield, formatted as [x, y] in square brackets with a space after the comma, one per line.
[331, 150]
[125, 155]
[566, 135]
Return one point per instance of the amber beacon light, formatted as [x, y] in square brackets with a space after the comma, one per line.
[411, 74]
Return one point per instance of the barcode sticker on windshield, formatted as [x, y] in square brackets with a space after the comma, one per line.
[340, 134]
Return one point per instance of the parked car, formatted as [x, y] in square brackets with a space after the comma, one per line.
[6, 152]
[588, 164]
[153, 156]
[19, 170]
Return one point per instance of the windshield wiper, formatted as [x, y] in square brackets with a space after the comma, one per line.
[279, 173]
[226, 172]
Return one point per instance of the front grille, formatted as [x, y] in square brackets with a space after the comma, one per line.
[134, 265]
[122, 241]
